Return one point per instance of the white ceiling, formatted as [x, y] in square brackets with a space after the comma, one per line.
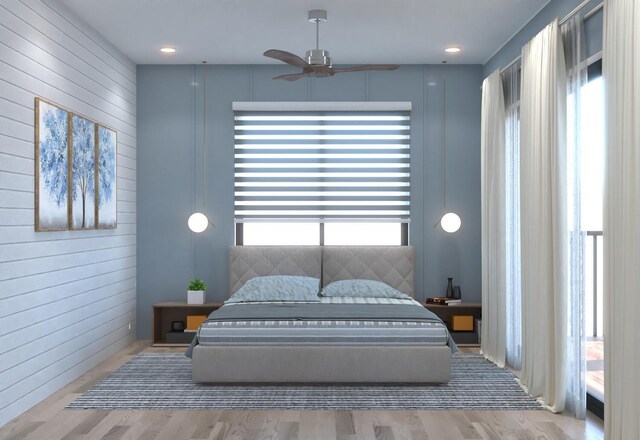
[358, 31]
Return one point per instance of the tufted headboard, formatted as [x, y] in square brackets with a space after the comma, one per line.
[392, 265]
[246, 262]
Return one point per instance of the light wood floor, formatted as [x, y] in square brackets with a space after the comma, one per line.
[50, 421]
[595, 366]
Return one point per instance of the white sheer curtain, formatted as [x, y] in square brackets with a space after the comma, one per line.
[511, 87]
[543, 218]
[576, 63]
[493, 220]
[621, 71]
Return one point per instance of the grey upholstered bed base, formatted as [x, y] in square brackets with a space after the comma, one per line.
[340, 364]
[318, 364]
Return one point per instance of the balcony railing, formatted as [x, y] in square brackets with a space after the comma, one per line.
[594, 286]
[594, 327]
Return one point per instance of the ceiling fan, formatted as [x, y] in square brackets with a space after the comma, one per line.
[317, 63]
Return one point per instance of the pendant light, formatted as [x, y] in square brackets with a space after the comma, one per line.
[450, 221]
[198, 222]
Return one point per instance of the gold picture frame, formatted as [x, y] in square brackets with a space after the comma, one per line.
[110, 211]
[57, 178]
[51, 172]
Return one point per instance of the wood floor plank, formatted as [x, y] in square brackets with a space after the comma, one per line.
[384, 433]
[317, 425]
[180, 426]
[344, 424]
[60, 426]
[287, 431]
[118, 417]
[205, 424]
[419, 435]
[437, 426]
[115, 433]
[86, 425]
[362, 425]
[220, 430]
[237, 425]
[151, 424]
[489, 425]
[403, 422]
[19, 431]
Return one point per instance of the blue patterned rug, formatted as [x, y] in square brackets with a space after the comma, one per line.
[163, 381]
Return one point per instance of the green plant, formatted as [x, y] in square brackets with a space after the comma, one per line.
[197, 284]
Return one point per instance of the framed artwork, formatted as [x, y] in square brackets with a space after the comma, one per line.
[82, 173]
[51, 166]
[75, 171]
[106, 197]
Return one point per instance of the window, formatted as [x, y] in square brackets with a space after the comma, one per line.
[322, 173]
[592, 167]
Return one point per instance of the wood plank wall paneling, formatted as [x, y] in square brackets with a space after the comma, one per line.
[67, 299]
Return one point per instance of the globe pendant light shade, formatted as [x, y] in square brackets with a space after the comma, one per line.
[450, 222]
[198, 222]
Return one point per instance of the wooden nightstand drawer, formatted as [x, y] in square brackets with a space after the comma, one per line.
[164, 313]
[462, 323]
[448, 314]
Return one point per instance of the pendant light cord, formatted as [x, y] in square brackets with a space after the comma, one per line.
[204, 136]
[194, 198]
[444, 136]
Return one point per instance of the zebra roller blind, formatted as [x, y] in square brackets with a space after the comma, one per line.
[322, 162]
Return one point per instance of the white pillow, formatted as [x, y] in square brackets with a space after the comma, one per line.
[278, 288]
[362, 288]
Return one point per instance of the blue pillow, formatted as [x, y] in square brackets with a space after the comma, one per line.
[278, 288]
[362, 288]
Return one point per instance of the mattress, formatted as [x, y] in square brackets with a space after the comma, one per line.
[391, 330]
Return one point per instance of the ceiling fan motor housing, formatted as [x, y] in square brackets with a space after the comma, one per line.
[318, 57]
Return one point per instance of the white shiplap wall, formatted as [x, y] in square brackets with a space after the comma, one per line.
[67, 299]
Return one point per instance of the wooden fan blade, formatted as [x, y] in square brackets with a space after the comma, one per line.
[366, 67]
[287, 57]
[292, 76]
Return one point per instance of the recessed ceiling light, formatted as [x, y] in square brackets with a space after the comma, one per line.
[452, 49]
[167, 50]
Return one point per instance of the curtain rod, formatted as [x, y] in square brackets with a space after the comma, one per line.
[564, 20]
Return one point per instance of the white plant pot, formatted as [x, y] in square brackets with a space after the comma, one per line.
[195, 296]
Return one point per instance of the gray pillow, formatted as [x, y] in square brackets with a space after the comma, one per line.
[278, 288]
[362, 288]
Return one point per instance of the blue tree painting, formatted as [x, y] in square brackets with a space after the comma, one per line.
[52, 177]
[107, 207]
[83, 172]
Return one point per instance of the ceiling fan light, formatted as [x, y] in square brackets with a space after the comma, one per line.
[198, 222]
[318, 57]
[450, 222]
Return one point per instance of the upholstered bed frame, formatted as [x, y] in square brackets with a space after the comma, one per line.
[384, 364]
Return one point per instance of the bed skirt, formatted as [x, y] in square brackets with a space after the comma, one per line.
[321, 364]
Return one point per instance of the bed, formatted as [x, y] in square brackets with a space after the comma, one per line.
[333, 340]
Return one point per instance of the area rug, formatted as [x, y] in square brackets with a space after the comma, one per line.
[163, 381]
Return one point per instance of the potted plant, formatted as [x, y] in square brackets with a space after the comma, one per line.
[196, 291]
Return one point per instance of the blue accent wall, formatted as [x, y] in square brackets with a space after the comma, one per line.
[553, 9]
[170, 117]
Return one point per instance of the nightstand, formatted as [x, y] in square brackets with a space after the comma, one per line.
[445, 313]
[164, 313]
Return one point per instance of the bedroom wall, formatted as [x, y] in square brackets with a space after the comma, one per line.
[66, 298]
[170, 116]
[553, 9]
